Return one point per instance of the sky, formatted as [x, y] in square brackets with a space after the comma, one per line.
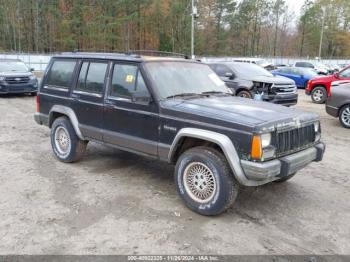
[295, 5]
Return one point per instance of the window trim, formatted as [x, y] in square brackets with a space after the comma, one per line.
[105, 82]
[57, 87]
[124, 98]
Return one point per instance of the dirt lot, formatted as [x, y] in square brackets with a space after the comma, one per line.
[118, 203]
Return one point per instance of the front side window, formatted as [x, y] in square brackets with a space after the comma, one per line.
[92, 77]
[222, 70]
[345, 73]
[127, 81]
[61, 74]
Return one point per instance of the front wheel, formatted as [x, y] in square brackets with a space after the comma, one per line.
[205, 182]
[245, 94]
[344, 116]
[319, 95]
[65, 143]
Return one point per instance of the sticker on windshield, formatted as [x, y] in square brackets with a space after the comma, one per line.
[217, 81]
[129, 78]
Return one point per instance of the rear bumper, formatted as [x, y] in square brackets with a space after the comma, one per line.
[18, 88]
[286, 100]
[274, 169]
[331, 110]
[41, 119]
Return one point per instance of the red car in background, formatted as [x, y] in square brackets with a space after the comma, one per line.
[319, 87]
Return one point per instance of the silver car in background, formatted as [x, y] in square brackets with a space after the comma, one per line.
[338, 102]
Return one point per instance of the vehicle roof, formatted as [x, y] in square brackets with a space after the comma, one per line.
[118, 56]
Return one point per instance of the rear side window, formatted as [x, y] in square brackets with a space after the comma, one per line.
[127, 80]
[61, 74]
[92, 77]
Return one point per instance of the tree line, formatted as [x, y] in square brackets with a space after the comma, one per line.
[224, 27]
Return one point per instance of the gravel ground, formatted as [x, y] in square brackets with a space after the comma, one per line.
[119, 203]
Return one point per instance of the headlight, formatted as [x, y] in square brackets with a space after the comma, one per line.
[317, 129]
[262, 148]
[2, 78]
[265, 140]
[32, 77]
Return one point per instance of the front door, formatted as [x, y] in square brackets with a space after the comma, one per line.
[88, 97]
[130, 116]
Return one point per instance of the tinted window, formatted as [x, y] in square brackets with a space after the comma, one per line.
[127, 80]
[92, 77]
[61, 73]
[304, 64]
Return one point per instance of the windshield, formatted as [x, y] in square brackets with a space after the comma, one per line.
[11, 66]
[245, 70]
[175, 78]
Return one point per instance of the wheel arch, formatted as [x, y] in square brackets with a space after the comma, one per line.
[58, 111]
[221, 142]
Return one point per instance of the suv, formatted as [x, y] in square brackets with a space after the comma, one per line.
[248, 79]
[15, 77]
[179, 111]
[319, 87]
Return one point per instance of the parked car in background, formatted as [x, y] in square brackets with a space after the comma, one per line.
[338, 102]
[258, 61]
[319, 87]
[248, 80]
[178, 111]
[15, 77]
[318, 67]
[299, 75]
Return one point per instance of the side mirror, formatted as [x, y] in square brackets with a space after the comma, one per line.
[229, 75]
[302, 76]
[336, 75]
[32, 70]
[141, 98]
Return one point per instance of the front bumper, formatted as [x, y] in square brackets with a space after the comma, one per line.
[284, 166]
[307, 92]
[18, 88]
[286, 100]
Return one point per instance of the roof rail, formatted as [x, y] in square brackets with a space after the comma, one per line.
[157, 53]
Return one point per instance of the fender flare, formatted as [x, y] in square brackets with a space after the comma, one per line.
[70, 114]
[226, 145]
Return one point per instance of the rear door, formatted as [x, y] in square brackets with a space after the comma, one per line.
[130, 123]
[88, 97]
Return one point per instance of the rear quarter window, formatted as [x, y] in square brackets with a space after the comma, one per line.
[61, 74]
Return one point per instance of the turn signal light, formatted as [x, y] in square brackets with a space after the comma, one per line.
[256, 152]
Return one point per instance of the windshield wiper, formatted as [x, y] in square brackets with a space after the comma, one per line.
[183, 95]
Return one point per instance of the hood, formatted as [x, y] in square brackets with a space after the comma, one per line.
[323, 79]
[274, 79]
[14, 73]
[232, 111]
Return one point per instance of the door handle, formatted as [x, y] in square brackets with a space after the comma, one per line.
[75, 96]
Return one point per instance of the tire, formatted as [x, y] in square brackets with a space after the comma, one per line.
[344, 116]
[217, 176]
[70, 148]
[245, 94]
[285, 178]
[319, 95]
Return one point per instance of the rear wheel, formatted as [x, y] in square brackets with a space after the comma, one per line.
[204, 181]
[319, 95]
[65, 143]
[344, 116]
[245, 94]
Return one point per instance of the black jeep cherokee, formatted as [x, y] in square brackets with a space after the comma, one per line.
[178, 111]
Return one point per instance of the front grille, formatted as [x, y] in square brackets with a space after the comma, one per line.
[294, 140]
[281, 89]
[13, 80]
